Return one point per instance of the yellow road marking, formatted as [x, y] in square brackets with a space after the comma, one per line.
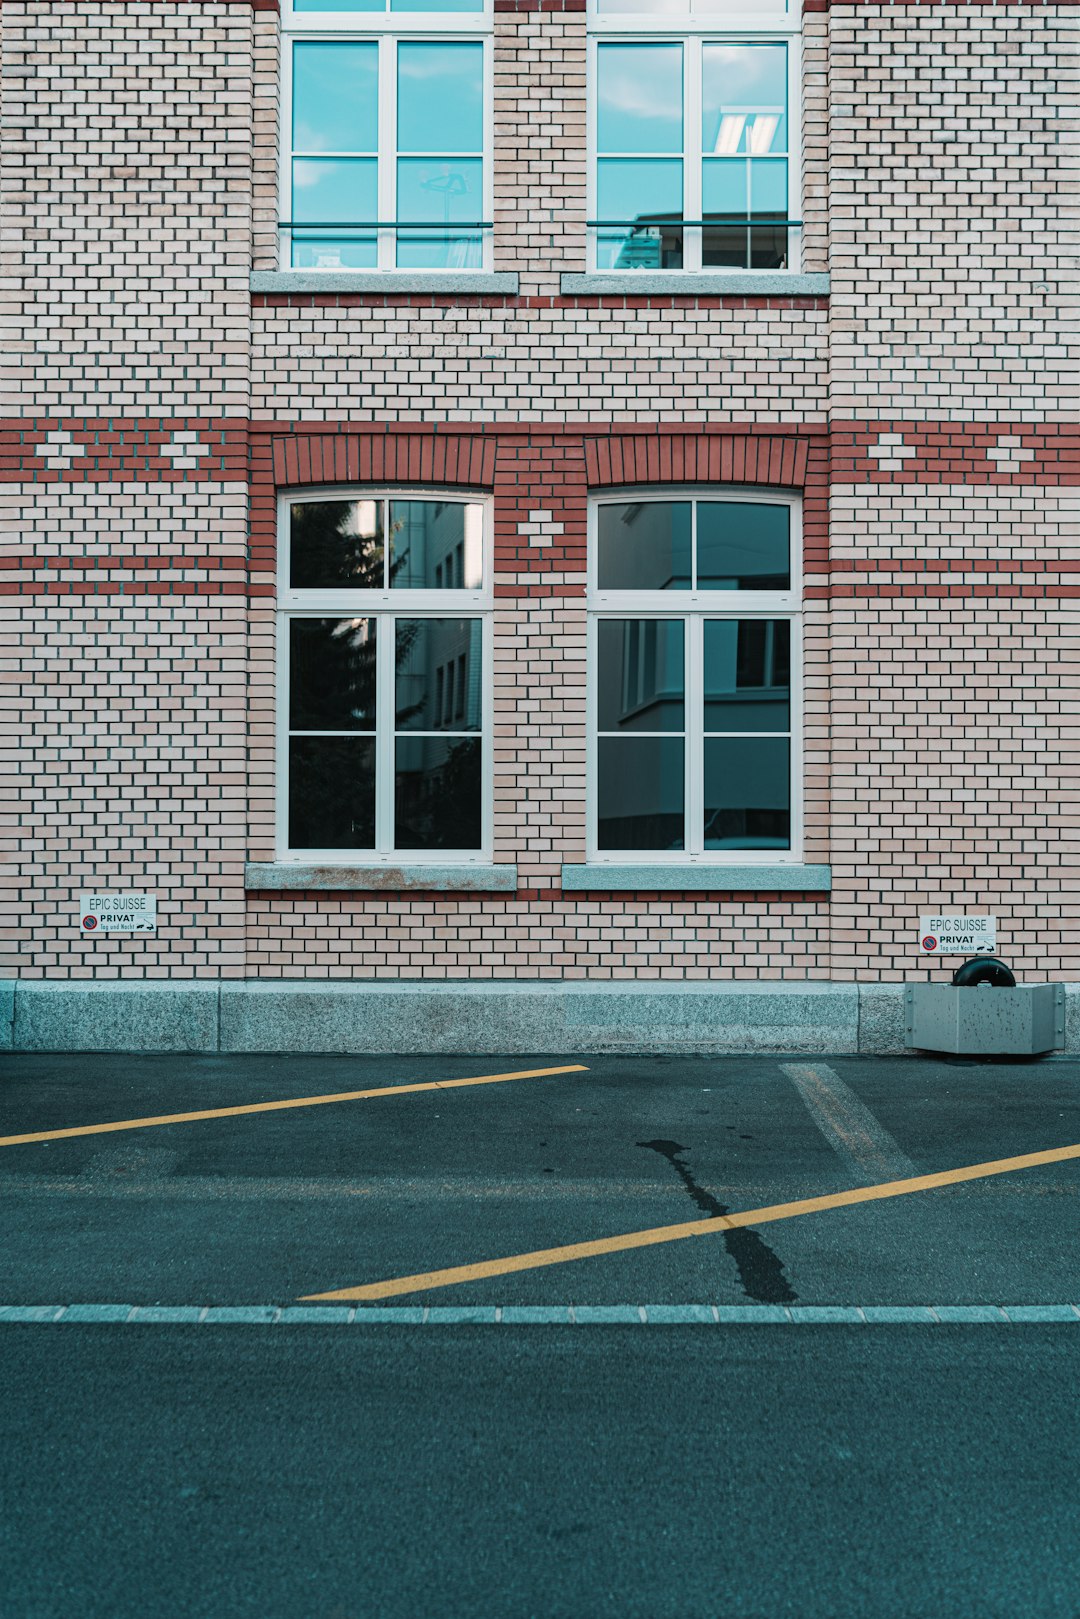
[691, 1228]
[276, 1107]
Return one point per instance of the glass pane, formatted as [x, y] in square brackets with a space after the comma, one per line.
[331, 792]
[339, 5]
[648, 190]
[644, 545]
[438, 673]
[436, 5]
[768, 187]
[724, 187]
[437, 789]
[330, 192]
[747, 793]
[440, 97]
[336, 544]
[748, 675]
[640, 684]
[653, 7]
[639, 98]
[335, 98]
[332, 674]
[743, 547]
[436, 545]
[768, 247]
[743, 99]
[440, 249]
[640, 792]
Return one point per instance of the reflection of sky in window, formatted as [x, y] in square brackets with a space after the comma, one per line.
[628, 188]
[440, 97]
[335, 190]
[743, 99]
[639, 99]
[335, 98]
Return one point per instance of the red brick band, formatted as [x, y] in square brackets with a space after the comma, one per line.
[355, 456]
[622, 458]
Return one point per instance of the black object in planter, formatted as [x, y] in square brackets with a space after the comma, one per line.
[984, 970]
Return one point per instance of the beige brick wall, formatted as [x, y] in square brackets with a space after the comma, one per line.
[139, 179]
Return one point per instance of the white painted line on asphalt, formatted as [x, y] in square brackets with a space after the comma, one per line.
[526, 1315]
[847, 1124]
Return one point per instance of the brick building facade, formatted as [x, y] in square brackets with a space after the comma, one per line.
[192, 357]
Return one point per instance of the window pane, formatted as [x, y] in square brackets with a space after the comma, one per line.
[748, 675]
[747, 793]
[339, 5]
[640, 792]
[653, 7]
[331, 792]
[440, 98]
[644, 545]
[437, 793]
[436, 5]
[743, 547]
[335, 98]
[336, 544]
[639, 98]
[438, 674]
[640, 683]
[332, 674]
[648, 190]
[743, 99]
[436, 545]
[332, 192]
[440, 191]
[768, 187]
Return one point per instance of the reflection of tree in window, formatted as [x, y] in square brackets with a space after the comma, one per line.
[336, 542]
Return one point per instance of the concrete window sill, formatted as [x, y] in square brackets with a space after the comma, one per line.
[391, 281]
[718, 879]
[414, 875]
[700, 284]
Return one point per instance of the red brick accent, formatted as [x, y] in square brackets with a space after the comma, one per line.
[348, 456]
[952, 452]
[113, 449]
[624, 458]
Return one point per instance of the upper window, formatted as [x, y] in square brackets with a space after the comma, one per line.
[696, 160]
[694, 653]
[384, 723]
[386, 150]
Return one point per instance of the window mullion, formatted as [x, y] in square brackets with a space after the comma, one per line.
[384, 733]
[695, 735]
[692, 177]
[387, 173]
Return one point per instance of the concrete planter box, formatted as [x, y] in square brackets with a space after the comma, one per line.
[982, 1021]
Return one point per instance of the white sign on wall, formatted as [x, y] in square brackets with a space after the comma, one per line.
[958, 935]
[118, 913]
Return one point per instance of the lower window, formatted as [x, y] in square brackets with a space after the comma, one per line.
[693, 745]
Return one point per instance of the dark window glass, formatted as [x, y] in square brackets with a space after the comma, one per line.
[437, 789]
[332, 674]
[331, 792]
[743, 547]
[336, 544]
[747, 675]
[435, 545]
[644, 545]
[425, 649]
[747, 793]
[640, 680]
[640, 792]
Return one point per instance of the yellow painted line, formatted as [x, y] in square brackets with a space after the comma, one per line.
[692, 1228]
[277, 1107]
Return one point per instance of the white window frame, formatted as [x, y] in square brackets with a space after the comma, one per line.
[693, 608]
[384, 605]
[386, 30]
[692, 33]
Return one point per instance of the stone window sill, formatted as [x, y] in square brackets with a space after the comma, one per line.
[410, 875]
[700, 283]
[719, 879]
[390, 281]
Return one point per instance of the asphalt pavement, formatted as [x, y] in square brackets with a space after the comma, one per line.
[718, 1454]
